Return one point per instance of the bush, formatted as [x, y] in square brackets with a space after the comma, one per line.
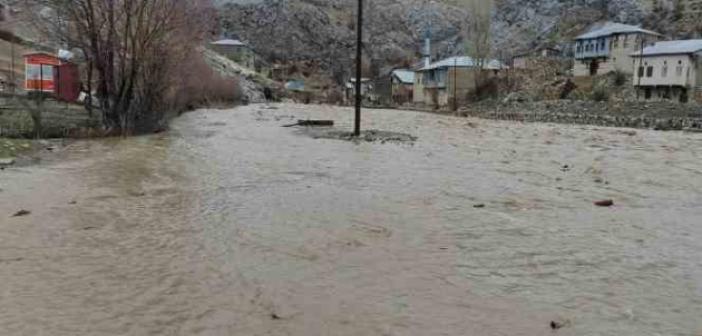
[201, 86]
[600, 94]
[620, 78]
[335, 97]
[487, 89]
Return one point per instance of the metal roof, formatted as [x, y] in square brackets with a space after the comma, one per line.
[463, 62]
[672, 48]
[229, 42]
[405, 76]
[611, 28]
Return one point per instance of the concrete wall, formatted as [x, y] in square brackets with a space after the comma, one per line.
[581, 68]
[58, 119]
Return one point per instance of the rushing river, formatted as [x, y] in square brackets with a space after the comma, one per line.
[232, 225]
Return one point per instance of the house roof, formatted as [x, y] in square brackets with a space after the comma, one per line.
[463, 62]
[672, 48]
[536, 51]
[611, 28]
[229, 42]
[405, 76]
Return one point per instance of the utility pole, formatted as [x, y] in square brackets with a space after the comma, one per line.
[13, 80]
[359, 70]
[455, 84]
[638, 71]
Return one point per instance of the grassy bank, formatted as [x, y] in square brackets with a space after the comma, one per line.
[12, 148]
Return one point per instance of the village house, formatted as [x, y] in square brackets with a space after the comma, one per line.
[609, 47]
[450, 80]
[235, 50]
[669, 70]
[395, 88]
[350, 92]
[527, 60]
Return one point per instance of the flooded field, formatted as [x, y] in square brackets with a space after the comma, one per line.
[233, 225]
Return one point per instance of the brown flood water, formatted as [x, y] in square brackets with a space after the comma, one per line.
[232, 225]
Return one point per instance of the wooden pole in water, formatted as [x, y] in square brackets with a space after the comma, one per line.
[359, 70]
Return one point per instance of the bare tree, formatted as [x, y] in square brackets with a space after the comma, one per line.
[477, 34]
[478, 31]
[133, 46]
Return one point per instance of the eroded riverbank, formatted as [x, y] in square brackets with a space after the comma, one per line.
[233, 225]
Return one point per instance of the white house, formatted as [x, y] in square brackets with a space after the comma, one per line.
[450, 80]
[669, 71]
[608, 48]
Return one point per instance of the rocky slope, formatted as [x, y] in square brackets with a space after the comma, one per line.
[323, 30]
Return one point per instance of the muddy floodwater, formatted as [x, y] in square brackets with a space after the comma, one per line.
[233, 225]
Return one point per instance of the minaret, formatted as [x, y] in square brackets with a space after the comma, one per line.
[426, 53]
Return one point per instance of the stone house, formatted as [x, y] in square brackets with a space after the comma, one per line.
[669, 70]
[609, 47]
[450, 80]
[235, 50]
[526, 60]
[402, 86]
[395, 88]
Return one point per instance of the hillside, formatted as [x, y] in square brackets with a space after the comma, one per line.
[323, 30]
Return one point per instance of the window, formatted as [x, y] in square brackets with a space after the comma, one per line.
[679, 70]
[641, 71]
[602, 44]
[649, 71]
[626, 41]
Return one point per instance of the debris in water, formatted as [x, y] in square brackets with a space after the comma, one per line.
[21, 213]
[275, 316]
[311, 123]
[565, 168]
[479, 206]
[366, 136]
[555, 325]
[605, 203]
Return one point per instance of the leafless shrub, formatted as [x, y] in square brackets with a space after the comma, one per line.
[199, 86]
[134, 48]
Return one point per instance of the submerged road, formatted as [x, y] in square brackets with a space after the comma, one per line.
[232, 225]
